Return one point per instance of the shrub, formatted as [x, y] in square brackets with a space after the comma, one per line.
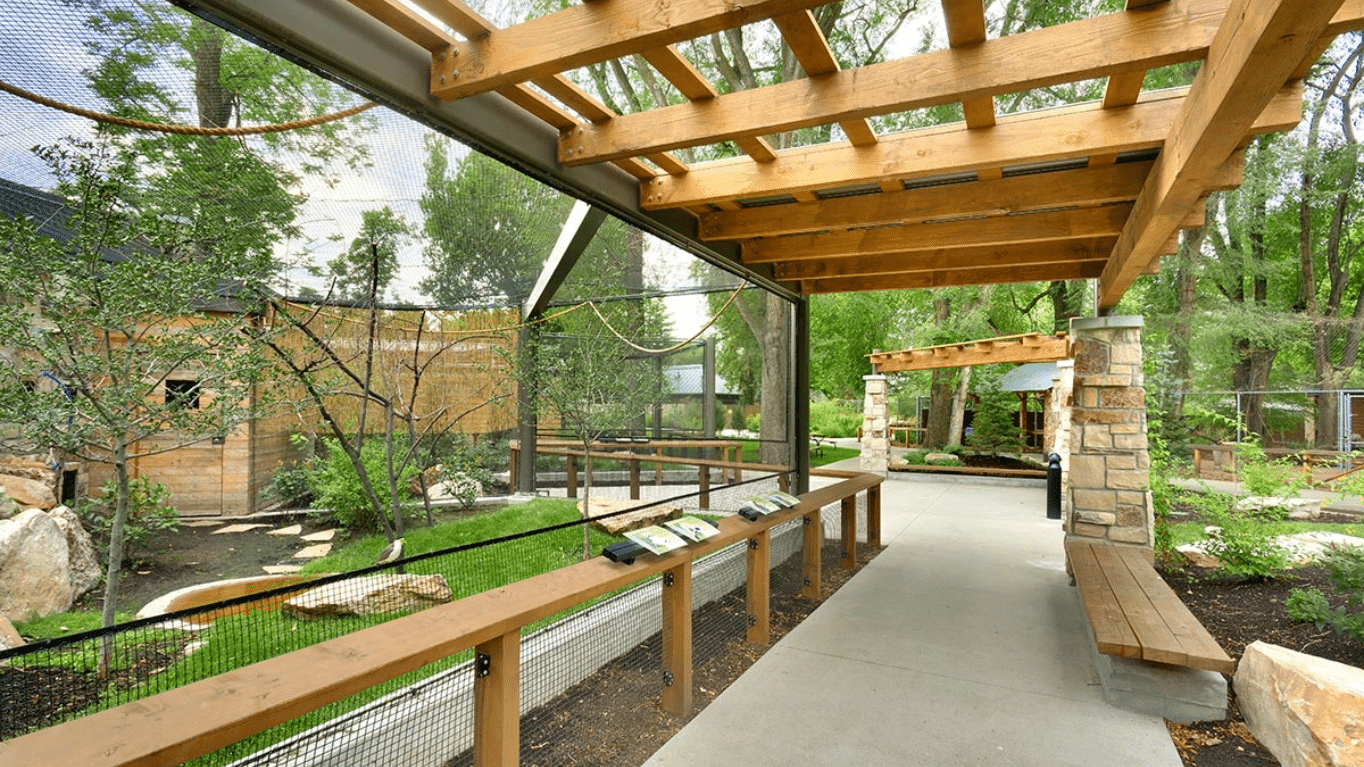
[736, 418]
[465, 466]
[340, 491]
[149, 512]
[1242, 540]
[1262, 476]
[833, 420]
[916, 457]
[1345, 567]
[951, 461]
[295, 483]
[754, 423]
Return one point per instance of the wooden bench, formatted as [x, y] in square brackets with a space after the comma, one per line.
[1135, 614]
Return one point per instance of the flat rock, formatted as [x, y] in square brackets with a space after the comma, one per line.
[1302, 548]
[28, 493]
[1297, 508]
[8, 507]
[321, 536]
[281, 569]
[633, 520]
[35, 570]
[238, 528]
[316, 551]
[1308, 711]
[290, 530]
[370, 595]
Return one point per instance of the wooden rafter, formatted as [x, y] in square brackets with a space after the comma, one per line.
[999, 275]
[1030, 347]
[1055, 134]
[948, 259]
[1050, 226]
[966, 27]
[591, 33]
[1257, 48]
[807, 43]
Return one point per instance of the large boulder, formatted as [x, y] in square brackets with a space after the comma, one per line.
[8, 506]
[369, 595]
[1308, 711]
[83, 561]
[35, 576]
[598, 507]
[29, 493]
[9, 638]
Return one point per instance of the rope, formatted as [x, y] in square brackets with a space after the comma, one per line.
[714, 318]
[183, 129]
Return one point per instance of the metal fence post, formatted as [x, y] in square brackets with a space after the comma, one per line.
[1053, 486]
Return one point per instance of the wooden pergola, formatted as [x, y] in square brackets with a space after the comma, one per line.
[1026, 347]
[1097, 190]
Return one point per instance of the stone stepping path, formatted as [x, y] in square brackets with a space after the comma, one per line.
[242, 528]
[321, 536]
[316, 551]
[290, 530]
[281, 569]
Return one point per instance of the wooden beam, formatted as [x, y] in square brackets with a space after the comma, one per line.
[966, 27]
[401, 19]
[1076, 270]
[1177, 31]
[1080, 223]
[457, 16]
[948, 259]
[806, 41]
[1042, 349]
[1015, 194]
[1054, 134]
[591, 33]
[1255, 51]
[497, 702]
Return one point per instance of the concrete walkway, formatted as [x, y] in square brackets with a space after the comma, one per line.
[961, 644]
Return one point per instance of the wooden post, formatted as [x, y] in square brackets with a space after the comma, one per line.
[849, 509]
[677, 642]
[497, 701]
[738, 463]
[784, 482]
[703, 479]
[811, 554]
[759, 589]
[515, 458]
[874, 516]
[658, 468]
[634, 476]
[571, 476]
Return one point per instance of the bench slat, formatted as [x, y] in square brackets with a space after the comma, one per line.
[1112, 634]
[1158, 643]
[1199, 646]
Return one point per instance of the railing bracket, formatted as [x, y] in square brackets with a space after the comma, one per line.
[752, 619]
[483, 665]
[667, 679]
[667, 579]
[753, 544]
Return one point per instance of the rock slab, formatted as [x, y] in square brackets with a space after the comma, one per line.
[28, 493]
[369, 595]
[35, 577]
[599, 506]
[81, 557]
[9, 637]
[1308, 711]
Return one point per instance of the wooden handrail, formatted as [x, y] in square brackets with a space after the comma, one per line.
[190, 721]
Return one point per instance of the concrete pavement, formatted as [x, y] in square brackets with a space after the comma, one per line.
[960, 644]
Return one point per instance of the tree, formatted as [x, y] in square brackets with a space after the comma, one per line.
[95, 329]
[844, 329]
[489, 228]
[594, 383]
[372, 255]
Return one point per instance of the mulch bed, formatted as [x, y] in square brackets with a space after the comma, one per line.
[1236, 613]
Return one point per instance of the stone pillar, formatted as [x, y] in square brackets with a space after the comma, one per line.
[1059, 408]
[875, 422]
[1108, 467]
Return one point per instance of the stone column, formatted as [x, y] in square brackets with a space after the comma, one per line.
[875, 422]
[1059, 407]
[1109, 467]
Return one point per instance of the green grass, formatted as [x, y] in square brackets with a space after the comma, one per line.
[1191, 532]
[62, 624]
[831, 453]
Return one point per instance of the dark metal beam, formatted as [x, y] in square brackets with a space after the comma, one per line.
[336, 38]
[581, 226]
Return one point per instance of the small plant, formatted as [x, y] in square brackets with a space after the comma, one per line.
[464, 467]
[736, 418]
[1264, 477]
[295, 483]
[1242, 540]
[754, 423]
[149, 512]
[1345, 568]
[916, 457]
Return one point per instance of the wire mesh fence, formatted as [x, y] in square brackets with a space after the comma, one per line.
[421, 717]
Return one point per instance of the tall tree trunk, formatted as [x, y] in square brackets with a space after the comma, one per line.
[959, 407]
[114, 569]
[775, 344]
[1181, 331]
[939, 431]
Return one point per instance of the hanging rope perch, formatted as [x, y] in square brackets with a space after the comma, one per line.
[192, 130]
[732, 298]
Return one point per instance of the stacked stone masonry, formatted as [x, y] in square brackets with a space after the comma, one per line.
[875, 441]
[1109, 467]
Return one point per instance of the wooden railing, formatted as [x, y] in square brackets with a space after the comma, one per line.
[191, 721]
[730, 464]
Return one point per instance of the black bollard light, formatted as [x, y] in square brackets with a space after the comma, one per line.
[1053, 486]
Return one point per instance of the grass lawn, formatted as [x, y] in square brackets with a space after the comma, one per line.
[831, 453]
[1191, 532]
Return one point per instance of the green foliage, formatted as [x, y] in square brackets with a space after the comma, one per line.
[1164, 493]
[340, 490]
[831, 419]
[736, 418]
[149, 512]
[1242, 540]
[465, 465]
[916, 457]
[995, 427]
[1345, 566]
[1279, 478]
[844, 329]
[295, 483]
[945, 461]
[382, 235]
[754, 422]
